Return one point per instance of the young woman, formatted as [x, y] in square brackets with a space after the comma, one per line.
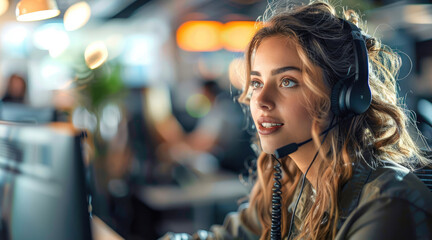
[308, 77]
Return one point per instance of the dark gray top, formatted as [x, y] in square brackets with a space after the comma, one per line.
[383, 202]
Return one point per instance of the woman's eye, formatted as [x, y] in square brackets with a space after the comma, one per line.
[255, 84]
[286, 82]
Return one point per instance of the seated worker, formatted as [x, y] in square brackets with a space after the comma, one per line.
[337, 159]
[16, 89]
[215, 140]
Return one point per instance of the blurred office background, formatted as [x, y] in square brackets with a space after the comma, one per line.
[168, 147]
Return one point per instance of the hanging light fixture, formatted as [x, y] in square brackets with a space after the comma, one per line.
[34, 10]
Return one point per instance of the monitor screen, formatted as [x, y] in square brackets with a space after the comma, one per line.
[42, 185]
[17, 112]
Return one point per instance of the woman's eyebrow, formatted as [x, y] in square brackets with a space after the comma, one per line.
[255, 73]
[277, 70]
[284, 69]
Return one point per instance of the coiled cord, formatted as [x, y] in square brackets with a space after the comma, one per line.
[275, 232]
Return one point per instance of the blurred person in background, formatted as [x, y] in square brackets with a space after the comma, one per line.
[350, 175]
[128, 164]
[16, 89]
[16, 106]
[214, 142]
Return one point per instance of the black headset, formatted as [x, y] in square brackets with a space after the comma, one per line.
[352, 95]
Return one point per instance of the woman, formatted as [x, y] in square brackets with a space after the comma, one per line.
[16, 89]
[348, 182]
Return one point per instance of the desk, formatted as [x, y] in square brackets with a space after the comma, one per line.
[201, 197]
[101, 231]
[208, 189]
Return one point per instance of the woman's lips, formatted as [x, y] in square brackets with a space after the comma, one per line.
[268, 128]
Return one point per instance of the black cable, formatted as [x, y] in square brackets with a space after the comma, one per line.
[324, 132]
[303, 181]
[275, 231]
[298, 198]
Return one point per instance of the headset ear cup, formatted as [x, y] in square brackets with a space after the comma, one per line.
[335, 96]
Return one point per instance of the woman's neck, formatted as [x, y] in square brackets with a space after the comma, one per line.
[303, 158]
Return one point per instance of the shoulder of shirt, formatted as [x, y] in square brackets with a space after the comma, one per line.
[391, 180]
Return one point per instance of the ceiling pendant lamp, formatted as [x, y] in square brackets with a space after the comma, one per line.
[34, 10]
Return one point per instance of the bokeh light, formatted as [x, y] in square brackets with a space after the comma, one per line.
[199, 36]
[198, 105]
[4, 5]
[14, 36]
[141, 49]
[96, 54]
[158, 103]
[237, 34]
[76, 16]
[51, 37]
[110, 119]
[83, 119]
[418, 14]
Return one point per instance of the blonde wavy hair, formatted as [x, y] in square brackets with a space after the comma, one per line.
[326, 53]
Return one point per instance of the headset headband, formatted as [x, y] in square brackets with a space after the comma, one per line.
[353, 94]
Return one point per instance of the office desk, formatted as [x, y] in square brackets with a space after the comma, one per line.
[202, 198]
[208, 189]
[101, 231]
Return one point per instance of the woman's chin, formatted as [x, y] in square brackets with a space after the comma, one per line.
[268, 150]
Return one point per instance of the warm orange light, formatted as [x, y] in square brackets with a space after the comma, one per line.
[237, 34]
[35, 10]
[77, 16]
[4, 5]
[96, 54]
[199, 36]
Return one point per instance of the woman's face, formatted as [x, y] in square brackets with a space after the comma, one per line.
[278, 102]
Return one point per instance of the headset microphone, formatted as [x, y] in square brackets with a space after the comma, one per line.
[288, 149]
[292, 147]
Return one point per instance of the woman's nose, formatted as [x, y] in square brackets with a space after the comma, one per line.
[265, 98]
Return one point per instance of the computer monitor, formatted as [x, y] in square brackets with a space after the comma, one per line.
[42, 184]
[17, 112]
